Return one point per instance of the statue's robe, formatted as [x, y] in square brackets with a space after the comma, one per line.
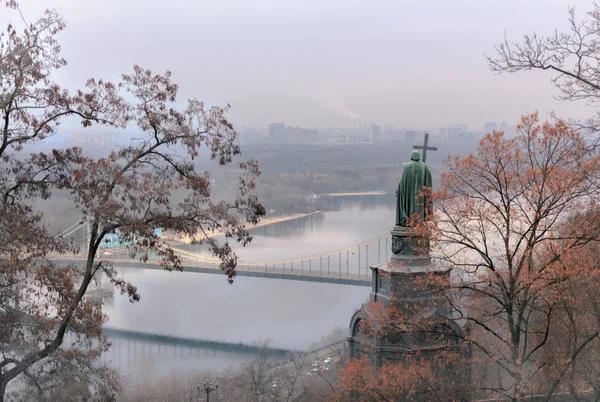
[415, 176]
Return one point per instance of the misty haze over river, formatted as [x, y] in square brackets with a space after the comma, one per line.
[289, 314]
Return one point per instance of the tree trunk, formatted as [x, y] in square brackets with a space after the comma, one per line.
[2, 388]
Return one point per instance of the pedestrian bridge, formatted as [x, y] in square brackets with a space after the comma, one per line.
[348, 266]
[134, 352]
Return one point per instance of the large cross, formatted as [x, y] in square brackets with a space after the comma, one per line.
[424, 147]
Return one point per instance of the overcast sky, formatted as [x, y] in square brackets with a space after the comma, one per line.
[319, 63]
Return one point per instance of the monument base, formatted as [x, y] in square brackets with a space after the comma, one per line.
[408, 248]
[409, 281]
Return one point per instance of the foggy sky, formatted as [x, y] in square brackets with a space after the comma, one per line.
[319, 63]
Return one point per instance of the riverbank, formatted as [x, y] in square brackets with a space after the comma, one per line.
[276, 219]
[263, 222]
[356, 193]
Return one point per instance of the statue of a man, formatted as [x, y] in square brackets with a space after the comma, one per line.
[415, 176]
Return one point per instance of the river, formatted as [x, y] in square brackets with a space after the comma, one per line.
[289, 314]
[358, 220]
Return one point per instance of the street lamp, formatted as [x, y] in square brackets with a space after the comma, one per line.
[209, 386]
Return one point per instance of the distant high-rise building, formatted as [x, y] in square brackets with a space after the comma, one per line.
[442, 134]
[411, 135]
[297, 135]
[509, 131]
[454, 129]
[388, 133]
[375, 134]
[504, 127]
[277, 133]
[490, 127]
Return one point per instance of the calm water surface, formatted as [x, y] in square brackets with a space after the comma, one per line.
[359, 220]
[289, 314]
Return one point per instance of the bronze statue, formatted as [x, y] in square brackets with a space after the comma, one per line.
[415, 176]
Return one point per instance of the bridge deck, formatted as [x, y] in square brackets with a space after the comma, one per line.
[142, 336]
[250, 271]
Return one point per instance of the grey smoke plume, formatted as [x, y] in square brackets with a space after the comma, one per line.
[337, 105]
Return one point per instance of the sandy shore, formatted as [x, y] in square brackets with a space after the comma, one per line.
[276, 219]
[263, 222]
[357, 193]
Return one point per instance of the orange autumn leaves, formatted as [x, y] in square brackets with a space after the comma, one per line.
[518, 222]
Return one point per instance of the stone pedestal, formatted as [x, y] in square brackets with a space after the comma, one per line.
[402, 280]
[408, 249]
[409, 262]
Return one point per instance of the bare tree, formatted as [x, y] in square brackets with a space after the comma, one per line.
[129, 192]
[175, 387]
[267, 378]
[572, 56]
